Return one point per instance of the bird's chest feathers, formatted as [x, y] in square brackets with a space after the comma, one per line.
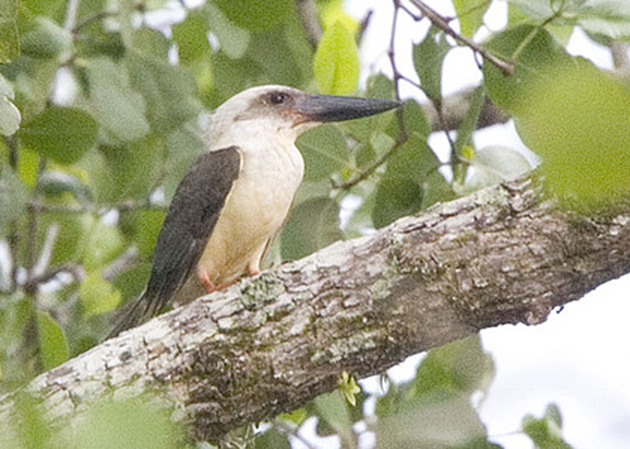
[265, 188]
[254, 210]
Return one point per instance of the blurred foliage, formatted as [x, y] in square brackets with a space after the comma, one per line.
[99, 113]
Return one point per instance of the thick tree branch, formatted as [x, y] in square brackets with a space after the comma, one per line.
[271, 343]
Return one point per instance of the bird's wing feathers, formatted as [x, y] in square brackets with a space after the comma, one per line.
[191, 217]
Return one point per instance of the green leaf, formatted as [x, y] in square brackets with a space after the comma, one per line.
[9, 114]
[546, 432]
[296, 417]
[149, 43]
[137, 424]
[131, 282]
[401, 190]
[63, 134]
[9, 42]
[168, 91]
[53, 346]
[396, 198]
[126, 172]
[191, 37]
[32, 85]
[436, 189]
[184, 146]
[428, 57]
[439, 423]
[104, 243]
[470, 15]
[73, 230]
[325, 152]
[13, 198]
[234, 40]
[493, 165]
[334, 412]
[45, 39]
[256, 14]
[336, 62]
[271, 439]
[415, 119]
[98, 296]
[43, 7]
[312, 225]
[536, 55]
[272, 54]
[458, 368]
[117, 107]
[145, 226]
[58, 183]
[610, 18]
[576, 120]
[469, 124]
[27, 427]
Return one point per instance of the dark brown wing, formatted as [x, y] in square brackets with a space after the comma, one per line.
[191, 217]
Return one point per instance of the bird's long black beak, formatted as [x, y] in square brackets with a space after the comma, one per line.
[330, 108]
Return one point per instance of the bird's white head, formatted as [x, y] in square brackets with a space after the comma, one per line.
[286, 112]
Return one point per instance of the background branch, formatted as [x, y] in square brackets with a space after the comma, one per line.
[271, 343]
[443, 23]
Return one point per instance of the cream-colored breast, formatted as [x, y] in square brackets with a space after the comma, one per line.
[254, 210]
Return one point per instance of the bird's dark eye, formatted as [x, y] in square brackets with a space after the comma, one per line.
[278, 98]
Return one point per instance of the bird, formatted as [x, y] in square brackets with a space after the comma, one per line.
[236, 196]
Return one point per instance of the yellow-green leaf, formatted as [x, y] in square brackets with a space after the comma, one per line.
[9, 43]
[53, 346]
[348, 388]
[98, 296]
[60, 133]
[336, 62]
[576, 119]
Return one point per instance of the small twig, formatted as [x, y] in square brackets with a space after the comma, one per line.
[13, 235]
[45, 255]
[443, 23]
[437, 105]
[402, 136]
[126, 206]
[91, 19]
[124, 262]
[416, 17]
[307, 13]
[367, 172]
[75, 270]
[71, 15]
[364, 25]
[620, 56]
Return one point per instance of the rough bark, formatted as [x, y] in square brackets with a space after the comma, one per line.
[269, 344]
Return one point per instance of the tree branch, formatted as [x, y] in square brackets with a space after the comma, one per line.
[307, 12]
[271, 343]
[441, 22]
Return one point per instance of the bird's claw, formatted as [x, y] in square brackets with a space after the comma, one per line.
[207, 283]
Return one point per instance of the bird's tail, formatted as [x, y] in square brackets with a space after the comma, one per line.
[131, 315]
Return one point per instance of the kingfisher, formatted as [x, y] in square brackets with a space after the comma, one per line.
[235, 197]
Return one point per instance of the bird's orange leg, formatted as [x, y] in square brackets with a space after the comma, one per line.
[207, 283]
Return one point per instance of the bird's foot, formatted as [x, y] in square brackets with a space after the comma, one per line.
[207, 283]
